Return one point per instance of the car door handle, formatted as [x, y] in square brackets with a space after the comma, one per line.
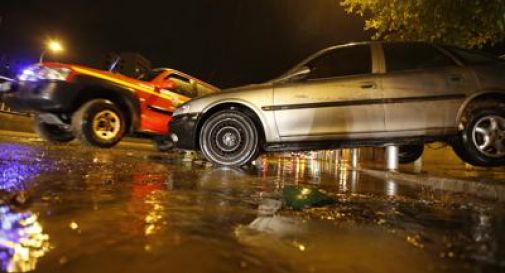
[455, 78]
[368, 85]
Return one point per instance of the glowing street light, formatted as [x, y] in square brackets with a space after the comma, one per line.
[52, 46]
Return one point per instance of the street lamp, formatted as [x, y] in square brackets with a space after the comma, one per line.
[52, 46]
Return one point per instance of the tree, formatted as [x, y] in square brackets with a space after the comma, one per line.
[465, 23]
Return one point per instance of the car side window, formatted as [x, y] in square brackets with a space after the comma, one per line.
[473, 57]
[345, 61]
[413, 56]
[184, 86]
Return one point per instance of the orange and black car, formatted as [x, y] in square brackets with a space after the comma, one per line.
[101, 107]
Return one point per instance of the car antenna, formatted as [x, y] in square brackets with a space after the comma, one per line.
[113, 65]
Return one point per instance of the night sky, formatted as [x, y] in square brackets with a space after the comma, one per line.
[224, 42]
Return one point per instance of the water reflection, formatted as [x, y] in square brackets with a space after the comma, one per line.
[487, 241]
[148, 199]
[22, 240]
[327, 174]
[298, 171]
[268, 226]
[18, 165]
[391, 188]
[162, 215]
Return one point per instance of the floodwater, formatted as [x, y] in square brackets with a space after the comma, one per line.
[74, 209]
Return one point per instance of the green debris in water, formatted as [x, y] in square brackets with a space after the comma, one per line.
[303, 197]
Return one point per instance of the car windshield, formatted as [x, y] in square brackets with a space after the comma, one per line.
[150, 75]
[474, 57]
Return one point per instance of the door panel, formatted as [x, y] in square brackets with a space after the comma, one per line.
[158, 106]
[423, 88]
[332, 107]
[425, 100]
[340, 97]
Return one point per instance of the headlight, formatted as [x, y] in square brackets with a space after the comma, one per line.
[183, 109]
[40, 72]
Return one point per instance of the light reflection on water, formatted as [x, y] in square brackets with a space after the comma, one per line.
[296, 170]
[22, 240]
[458, 227]
[391, 187]
[165, 215]
[323, 173]
[13, 175]
[18, 165]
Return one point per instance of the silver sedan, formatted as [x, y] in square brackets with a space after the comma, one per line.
[354, 95]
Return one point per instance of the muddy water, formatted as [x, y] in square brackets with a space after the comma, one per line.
[71, 209]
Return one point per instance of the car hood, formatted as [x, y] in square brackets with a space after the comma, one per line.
[255, 94]
[250, 87]
[246, 88]
[102, 74]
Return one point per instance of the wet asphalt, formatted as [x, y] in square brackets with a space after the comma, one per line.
[130, 209]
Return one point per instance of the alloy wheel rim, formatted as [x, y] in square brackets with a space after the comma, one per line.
[228, 139]
[488, 135]
[106, 124]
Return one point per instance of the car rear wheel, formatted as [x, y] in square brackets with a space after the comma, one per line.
[51, 132]
[229, 138]
[99, 123]
[482, 140]
[410, 153]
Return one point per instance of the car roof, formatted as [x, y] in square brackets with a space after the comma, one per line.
[371, 43]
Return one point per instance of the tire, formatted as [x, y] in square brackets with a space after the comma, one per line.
[410, 153]
[229, 138]
[99, 123]
[482, 140]
[163, 144]
[52, 133]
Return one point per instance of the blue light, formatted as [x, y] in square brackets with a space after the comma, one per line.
[41, 72]
[29, 74]
[22, 239]
[18, 167]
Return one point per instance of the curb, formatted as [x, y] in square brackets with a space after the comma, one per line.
[489, 190]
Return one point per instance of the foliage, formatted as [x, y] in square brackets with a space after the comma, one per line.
[465, 23]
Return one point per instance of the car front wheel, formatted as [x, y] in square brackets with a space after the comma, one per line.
[99, 123]
[229, 138]
[482, 141]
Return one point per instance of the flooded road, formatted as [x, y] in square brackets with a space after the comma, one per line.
[75, 209]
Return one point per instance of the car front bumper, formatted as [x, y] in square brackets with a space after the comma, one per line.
[184, 131]
[42, 96]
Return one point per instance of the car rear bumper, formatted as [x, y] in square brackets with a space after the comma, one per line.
[184, 131]
[43, 96]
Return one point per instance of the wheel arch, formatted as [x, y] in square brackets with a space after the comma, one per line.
[492, 95]
[239, 105]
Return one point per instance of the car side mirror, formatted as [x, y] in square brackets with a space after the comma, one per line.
[168, 84]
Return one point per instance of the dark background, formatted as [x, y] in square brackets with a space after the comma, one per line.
[224, 42]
